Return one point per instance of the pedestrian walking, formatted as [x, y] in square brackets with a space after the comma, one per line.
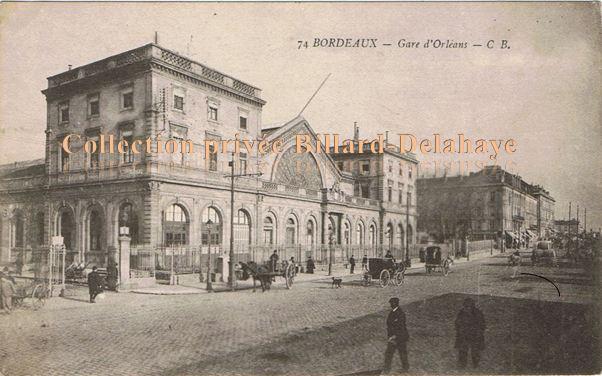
[94, 284]
[397, 337]
[310, 265]
[7, 290]
[351, 264]
[470, 333]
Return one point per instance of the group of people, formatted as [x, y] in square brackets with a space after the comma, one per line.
[470, 335]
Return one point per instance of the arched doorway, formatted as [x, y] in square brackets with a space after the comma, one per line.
[242, 230]
[175, 226]
[291, 232]
[359, 233]
[211, 213]
[389, 236]
[95, 241]
[401, 236]
[39, 229]
[18, 230]
[65, 227]
[268, 230]
[372, 239]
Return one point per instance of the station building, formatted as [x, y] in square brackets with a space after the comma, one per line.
[336, 206]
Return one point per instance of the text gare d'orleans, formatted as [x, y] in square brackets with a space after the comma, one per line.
[323, 143]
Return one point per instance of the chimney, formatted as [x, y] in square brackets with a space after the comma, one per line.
[70, 66]
[356, 132]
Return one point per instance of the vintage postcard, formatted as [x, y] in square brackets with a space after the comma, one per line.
[318, 189]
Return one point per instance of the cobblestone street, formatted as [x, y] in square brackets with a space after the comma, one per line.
[311, 329]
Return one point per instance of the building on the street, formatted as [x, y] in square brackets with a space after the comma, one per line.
[564, 226]
[487, 204]
[164, 201]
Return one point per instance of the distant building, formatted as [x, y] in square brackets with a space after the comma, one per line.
[564, 226]
[487, 204]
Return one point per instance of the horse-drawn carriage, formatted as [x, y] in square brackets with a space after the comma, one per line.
[266, 273]
[544, 254]
[434, 262]
[386, 270]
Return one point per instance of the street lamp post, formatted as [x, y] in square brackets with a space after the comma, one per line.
[231, 276]
[209, 225]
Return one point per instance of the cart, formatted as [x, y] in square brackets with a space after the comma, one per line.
[386, 270]
[265, 273]
[434, 262]
[33, 291]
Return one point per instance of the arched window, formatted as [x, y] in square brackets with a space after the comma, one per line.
[128, 218]
[401, 236]
[176, 226]
[291, 231]
[242, 229]
[268, 230]
[359, 233]
[311, 236]
[372, 235]
[212, 214]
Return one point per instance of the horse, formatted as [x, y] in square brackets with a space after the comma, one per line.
[257, 272]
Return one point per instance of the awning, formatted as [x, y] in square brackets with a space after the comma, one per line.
[511, 234]
[531, 233]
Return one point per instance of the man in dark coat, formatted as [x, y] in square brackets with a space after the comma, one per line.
[351, 264]
[94, 284]
[365, 262]
[397, 337]
[470, 333]
[274, 261]
[310, 265]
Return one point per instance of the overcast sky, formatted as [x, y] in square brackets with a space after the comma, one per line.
[544, 91]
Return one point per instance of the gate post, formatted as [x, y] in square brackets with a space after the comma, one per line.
[124, 259]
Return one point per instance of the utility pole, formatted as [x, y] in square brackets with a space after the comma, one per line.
[585, 221]
[407, 260]
[231, 277]
[577, 232]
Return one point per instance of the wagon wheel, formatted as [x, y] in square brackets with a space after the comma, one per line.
[385, 278]
[398, 277]
[38, 296]
[289, 275]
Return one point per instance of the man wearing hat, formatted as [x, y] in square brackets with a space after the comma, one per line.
[397, 336]
[94, 284]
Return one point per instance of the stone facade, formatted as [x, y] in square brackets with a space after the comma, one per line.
[166, 200]
[484, 205]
